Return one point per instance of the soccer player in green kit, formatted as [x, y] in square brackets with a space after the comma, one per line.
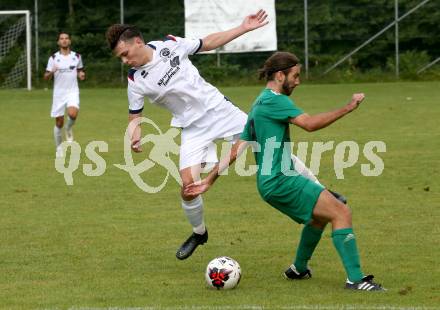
[303, 200]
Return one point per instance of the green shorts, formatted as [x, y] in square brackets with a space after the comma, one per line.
[295, 196]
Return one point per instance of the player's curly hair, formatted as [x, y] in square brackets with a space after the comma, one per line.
[121, 32]
[279, 61]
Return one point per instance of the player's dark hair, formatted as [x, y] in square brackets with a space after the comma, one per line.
[121, 32]
[279, 61]
[62, 32]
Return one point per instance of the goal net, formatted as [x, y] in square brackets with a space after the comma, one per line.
[15, 66]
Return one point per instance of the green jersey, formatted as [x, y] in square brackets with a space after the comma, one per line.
[268, 125]
[277, 181]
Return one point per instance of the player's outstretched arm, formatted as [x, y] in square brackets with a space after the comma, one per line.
[202, 186]
[251, 22]
[322, 120]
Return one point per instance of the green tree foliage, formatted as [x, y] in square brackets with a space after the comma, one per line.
[335, 28]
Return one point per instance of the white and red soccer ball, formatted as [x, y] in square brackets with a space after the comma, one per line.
[223, 273]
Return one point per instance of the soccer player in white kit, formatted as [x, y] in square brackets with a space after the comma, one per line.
[66, 67]
[162, 72]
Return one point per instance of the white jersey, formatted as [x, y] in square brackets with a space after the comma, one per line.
[171, 81]
[65, 77]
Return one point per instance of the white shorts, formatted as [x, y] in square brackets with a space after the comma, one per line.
[62, 101]
[197, 140]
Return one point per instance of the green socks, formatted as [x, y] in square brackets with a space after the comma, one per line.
[310, 237]
[345, 243]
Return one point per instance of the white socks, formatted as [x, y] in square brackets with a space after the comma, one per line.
[194, 212]
[57, 135]
[70, 123]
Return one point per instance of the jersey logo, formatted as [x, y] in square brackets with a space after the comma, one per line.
[165, 52]
[175, 62]
[144, 74]
[168, 75]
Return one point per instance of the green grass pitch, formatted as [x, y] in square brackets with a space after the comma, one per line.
[104, 243]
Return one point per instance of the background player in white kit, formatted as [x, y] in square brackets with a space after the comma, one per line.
[66, 67]
[163, 73]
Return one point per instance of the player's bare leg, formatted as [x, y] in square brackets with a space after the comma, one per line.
[72, 114]
[329, 209]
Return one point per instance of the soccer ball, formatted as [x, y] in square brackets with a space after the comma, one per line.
[223, 273]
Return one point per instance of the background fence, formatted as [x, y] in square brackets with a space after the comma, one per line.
[335, 27]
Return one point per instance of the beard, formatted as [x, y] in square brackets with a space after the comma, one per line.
[287, 90]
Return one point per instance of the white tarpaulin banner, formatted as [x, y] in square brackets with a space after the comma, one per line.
[203, 17]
